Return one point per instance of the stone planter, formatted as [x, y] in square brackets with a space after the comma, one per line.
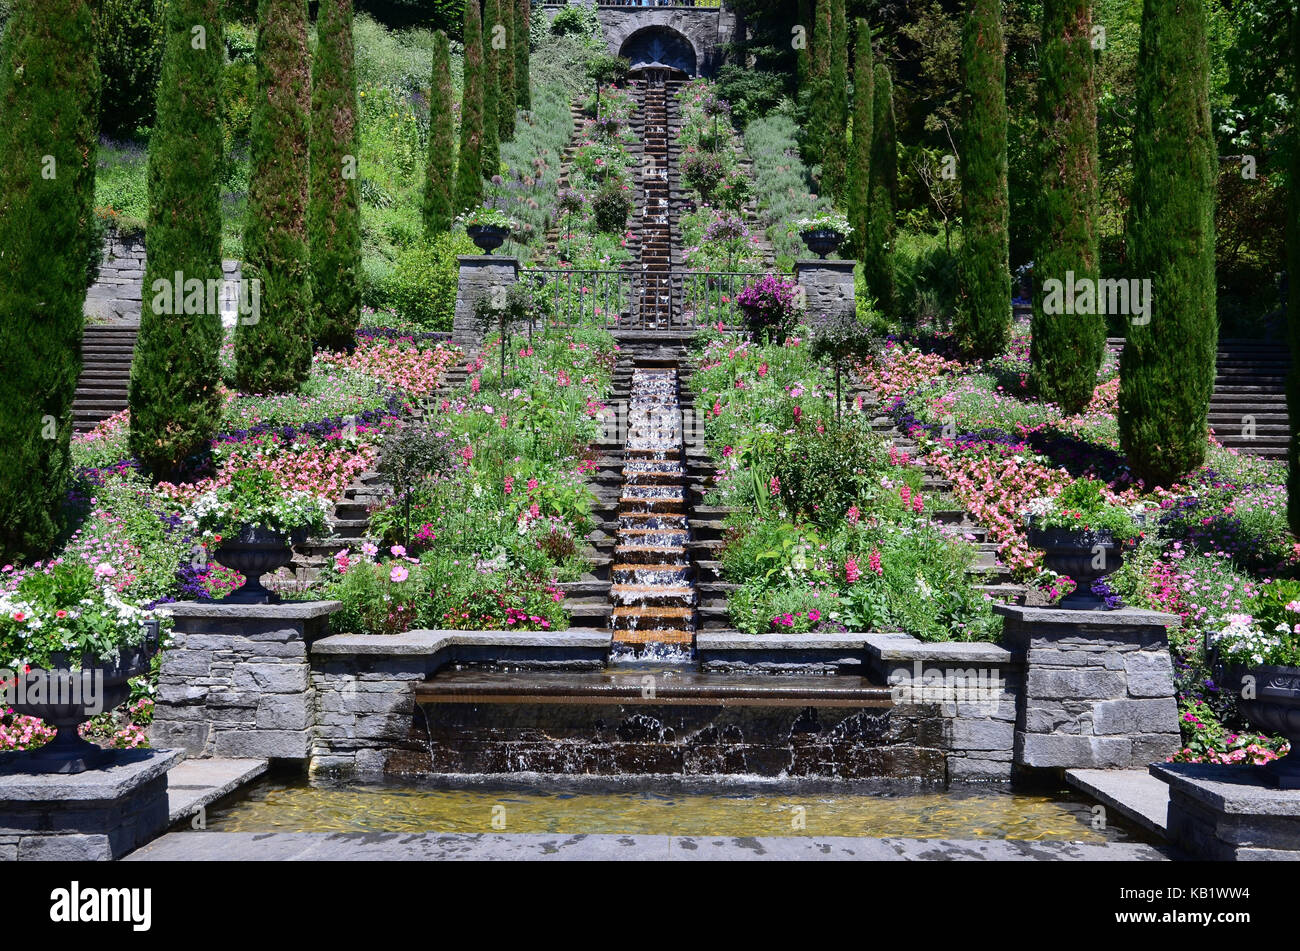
[253, 553]
[488, 237]
[73, 697]
[822, 241]
[1275, 708]
[1075, 553]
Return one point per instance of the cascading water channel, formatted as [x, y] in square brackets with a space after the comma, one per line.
[653, 592]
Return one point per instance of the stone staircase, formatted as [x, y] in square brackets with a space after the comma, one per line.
[1248, 407]
[654, 230]
[106, 352]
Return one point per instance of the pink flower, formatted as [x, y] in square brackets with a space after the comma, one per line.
[851, 571]
[398, 551]
[853, 515]
[774, 486]
[398, 574]
[814, 615]
[874, 562]
[510, 484]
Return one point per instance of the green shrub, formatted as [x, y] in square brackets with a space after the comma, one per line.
[610, 208]
[753, 93]
[440, 170]
[421, 286]
[273, 353]
[926, 275]
[819, 475]
[523, 46]
[175, 404]
[48, 92]
[334, 211]
[129, 46]
[469, 171]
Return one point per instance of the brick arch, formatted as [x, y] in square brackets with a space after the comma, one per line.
[704, 28]
[661, 44]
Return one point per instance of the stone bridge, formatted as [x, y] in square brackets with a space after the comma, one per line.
[687, 38]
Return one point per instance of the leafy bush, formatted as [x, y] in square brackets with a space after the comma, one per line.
[769, 307]
[753, 93]
[128, 37]
[818, 475]
[610, 208]
[421, 286]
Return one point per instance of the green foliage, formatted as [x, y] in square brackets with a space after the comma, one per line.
[273, 353]
[1168, 364]
[818, 93]
[577, 20]
[781, 184]
[819, 475]
[926, 272]
[48, 94]
[753, 93]
[174, 401]
[610, 207]
[1067, 348]
[334, 212]
[523, 42]
[440, 172]
[492, 58]
[878, 252]
[129, 47]
[469, 172]
[864, 96]
[421, 286]
[506, 110]
[984, 317]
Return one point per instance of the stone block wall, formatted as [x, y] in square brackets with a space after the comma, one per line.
[1229, 813]
[479, 274]
[235, 681]
[1099, 689]
[828, 287]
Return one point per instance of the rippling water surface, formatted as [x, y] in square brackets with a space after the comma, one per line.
[642, 807]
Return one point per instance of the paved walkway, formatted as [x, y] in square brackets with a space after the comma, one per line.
[436, 846]
[1134, 793]
[196, 783]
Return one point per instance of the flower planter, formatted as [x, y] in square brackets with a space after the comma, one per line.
[488, 237]
[1275, 708]
[1072, 552]
[68, 704]
[822, 241]
[253, 553]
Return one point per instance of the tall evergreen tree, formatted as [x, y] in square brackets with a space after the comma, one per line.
[1168, 365]
[819, 107]
[439, 208]
[273, 347]
[835, 149]
[1067, 349]
[984, 312]
[1293, 319]
[175, 404]
[334, 214]
[523, 46]
[469, 171]
[507, 105]
[803, 53]
[864, 95]
[878, 264]
[491, 92]
[49, 88]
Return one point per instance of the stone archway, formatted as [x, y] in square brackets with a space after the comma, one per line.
[660, 46]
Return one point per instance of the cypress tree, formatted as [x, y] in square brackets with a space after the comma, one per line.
[984, 313]
[819, 107]
[878, 265]
[273, 348]
[1067, 349]
[803, 54]
[469, 171]
[1168, 366]
[175, 405]
[859, 185]
[523, 45]
[491, 92]
[1293, 321]
[334, 214]
[439, 183]
[49, 88]
[507, 104]
[835, 148]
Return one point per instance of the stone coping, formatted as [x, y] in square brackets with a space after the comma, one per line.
[736, 641]
[488, 259]
[905, 648]
[414, 643]
[130, 770]
[1231, 789]
[828, 264]
[1124, 617]
[288, 611]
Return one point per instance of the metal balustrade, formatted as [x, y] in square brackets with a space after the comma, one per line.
[632, 299]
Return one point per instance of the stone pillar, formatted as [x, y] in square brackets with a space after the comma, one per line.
[235, 680]
[1099, 687]
[828, 288]
[97, 815]
[479, 274]
[1229, 814]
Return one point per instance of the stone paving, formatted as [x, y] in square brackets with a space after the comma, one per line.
[436, 846]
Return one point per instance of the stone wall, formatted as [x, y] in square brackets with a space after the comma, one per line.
[480, 275]
[235, 680]
[117, 294]
[1099, 689]
[828, 288]
[707, 29]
